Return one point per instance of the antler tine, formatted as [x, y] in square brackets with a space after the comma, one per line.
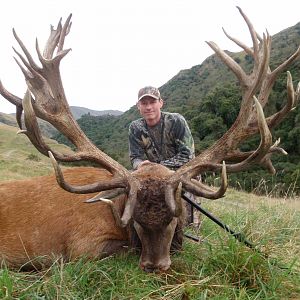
[292, 101]
[264, 146]
[199, 189]
[252, 33]
[173, 198]
[284, 65]
[238, 156]
[266, 161]
[111, 204]
[65, 30]
[239, 43]
[89, 188]
[52, 40]
[34, 134]
[259, 54]
[275, 119]
[15, 100]
[227, 60]
[25, 51]
[269, 81]
[57, 38]
[253, 157]
[290, 104]
[128, 211]
[131, 202]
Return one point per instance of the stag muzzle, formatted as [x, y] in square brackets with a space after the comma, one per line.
[156, 246]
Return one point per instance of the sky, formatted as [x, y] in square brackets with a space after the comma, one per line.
[121, 46]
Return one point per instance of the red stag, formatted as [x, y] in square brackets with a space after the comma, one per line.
[38, 219]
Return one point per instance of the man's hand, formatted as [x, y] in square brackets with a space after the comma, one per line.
[143, 163]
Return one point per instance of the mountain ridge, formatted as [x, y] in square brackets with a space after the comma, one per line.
[48, 130]
[79, 111]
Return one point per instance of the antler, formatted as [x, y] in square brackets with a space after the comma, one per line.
[256, 88]
[45, 98]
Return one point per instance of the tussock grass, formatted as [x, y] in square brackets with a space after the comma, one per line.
[219, 267]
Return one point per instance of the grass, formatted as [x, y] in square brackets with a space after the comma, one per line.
[18, 157]
[217, 268]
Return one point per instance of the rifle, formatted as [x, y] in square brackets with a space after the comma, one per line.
[237, 235]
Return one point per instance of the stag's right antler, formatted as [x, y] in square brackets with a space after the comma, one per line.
[250, 121]
[50, 104]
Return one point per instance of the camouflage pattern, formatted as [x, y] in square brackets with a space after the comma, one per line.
[149, 91]
[169, 143]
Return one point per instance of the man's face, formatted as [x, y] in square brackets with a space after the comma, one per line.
[150, 109]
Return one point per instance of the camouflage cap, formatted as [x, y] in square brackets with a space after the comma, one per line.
[149, 91]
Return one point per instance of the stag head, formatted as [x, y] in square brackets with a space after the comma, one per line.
[154, 208]
[157, 221]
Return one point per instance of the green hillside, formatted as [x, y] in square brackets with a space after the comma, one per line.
[46, 128]
[19, 159]
[78, 112]
[8, 119]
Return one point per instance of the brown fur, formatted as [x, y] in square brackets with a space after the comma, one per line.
[38, 218]
[148, 211]
[159, 232]
[151, 210]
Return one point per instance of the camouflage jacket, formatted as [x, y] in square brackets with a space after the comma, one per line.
[169, 143]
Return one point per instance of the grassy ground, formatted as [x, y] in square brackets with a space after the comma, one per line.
[19, 159]
[218, 267]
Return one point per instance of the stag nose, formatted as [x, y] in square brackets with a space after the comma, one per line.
[150, 269]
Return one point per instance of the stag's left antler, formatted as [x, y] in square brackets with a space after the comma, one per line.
[45, 98]
[256, 88]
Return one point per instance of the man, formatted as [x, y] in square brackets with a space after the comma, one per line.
[159, 137]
